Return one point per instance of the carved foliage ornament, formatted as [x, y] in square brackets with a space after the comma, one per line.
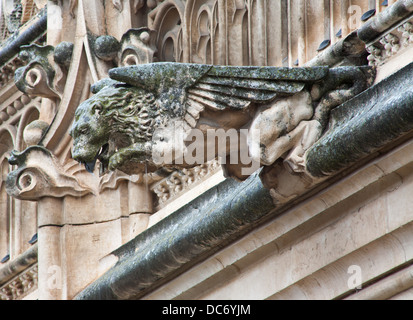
[155, 109]
[137, 46]
[45, 73]
[390, 44]
[23, 284]
[40, 175]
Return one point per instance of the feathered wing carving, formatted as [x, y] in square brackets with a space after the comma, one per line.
[225, 87]
[182, 93]
[188, 89]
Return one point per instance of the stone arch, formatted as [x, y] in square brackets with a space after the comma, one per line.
[6, 145]
[30, 115]
[7, 140]
[168, 24]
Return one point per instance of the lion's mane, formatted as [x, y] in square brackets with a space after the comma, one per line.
[132, 112]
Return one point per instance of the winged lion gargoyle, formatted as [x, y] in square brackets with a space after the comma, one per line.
[143, 110]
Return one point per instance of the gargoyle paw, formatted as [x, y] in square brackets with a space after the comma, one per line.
[295, 163]
[115, 161]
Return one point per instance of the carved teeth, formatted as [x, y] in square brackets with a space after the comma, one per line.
[102, 152]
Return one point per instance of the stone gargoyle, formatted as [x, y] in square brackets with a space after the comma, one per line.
[156, 110]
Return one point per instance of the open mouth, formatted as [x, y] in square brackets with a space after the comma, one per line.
[103, 158]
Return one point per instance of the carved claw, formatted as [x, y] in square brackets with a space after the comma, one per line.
[138, 152]
[14, 158]
[116, 161]
[295, 163]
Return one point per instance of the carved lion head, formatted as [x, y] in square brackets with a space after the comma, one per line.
[114, 118]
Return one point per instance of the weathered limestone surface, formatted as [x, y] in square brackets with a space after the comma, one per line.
[287, 235]
[361, 126]
[307, 252]
[179, 234]
[183, 238]
[126, 127]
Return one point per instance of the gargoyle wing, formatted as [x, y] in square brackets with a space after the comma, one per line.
[229, 87]
[190, 88]
[168, 81]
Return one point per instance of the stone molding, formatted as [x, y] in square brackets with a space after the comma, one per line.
[185, 239]
[18, 277]
[9, 113]
[7, 71]
[390, 44]
[180, 182]
[20, 286]
[288, 257]
[375, 27]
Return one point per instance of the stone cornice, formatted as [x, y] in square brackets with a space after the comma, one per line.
[385, 20]
[34, 31]
[198, 229]
[20, 286]
[19, 276]
[18, 265]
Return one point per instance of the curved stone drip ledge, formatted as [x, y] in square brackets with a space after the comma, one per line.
[225, 213]
[33, 31]
[183, 238]
[12, 268]
[18, 277]
[385, 20]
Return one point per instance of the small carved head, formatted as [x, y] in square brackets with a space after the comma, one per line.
[114, 118]
[89, 132]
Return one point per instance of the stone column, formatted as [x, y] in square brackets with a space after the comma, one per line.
[50, 221]
[140, 208]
